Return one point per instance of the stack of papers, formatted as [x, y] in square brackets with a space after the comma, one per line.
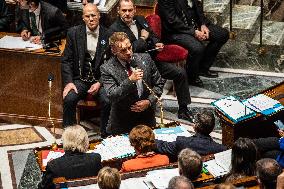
[263, 104]
[170, 134]
[234, 109]
[10, 42]
[221, 165]
[160, 178]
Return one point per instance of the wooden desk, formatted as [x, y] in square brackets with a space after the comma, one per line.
[256, 127]
[24, 91]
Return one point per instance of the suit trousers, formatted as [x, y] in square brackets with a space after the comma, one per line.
[72, 98]
[201, 57]
[179, 77]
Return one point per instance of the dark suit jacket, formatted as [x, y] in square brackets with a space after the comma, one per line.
[202, 144]
[139, 45]
[51, 17]
[75, 50]
[123, 93]
[172, 13]
[5, 16]
[71, 165]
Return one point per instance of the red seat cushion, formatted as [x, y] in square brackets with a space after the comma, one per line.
[154, 22]
[172, 53]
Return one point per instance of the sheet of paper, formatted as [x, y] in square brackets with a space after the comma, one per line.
[170, 134]
[10, 42]
[160, 178]
[223, 159]
[214, 168]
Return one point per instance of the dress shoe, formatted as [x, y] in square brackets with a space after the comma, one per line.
[186, 115]
[196, 82]
[210, 74]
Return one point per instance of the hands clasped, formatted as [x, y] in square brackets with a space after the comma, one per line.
[140, 106]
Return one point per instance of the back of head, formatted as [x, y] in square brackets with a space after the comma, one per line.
[142, 138]
[225, 186]
[267, 171]
[75, 138]
[204, 122]
[109, 178]
[244, 156]
[180, 182]
[189, 163]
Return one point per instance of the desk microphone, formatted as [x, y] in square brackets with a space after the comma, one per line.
[50, 79]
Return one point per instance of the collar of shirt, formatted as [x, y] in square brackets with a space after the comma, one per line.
[37, 11]
[94, 33]
[123, 63]
[132, 23]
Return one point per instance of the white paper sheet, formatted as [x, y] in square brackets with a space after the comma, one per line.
[10, 42]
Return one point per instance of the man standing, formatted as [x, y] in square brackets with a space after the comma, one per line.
[81, 62]
[184, 23]
[126, 78]
[142, 38]
[42, 18]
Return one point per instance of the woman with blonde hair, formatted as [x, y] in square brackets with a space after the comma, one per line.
[142, 138]
[75, 163]
[109, 178]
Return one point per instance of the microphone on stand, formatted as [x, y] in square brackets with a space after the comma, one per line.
[50, 79]
[152, 92]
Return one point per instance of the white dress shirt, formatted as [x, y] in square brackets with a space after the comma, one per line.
[92, 40]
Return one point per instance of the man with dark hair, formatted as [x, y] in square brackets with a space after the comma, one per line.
[5, 17]
[267, 171]
[83, 56]
[184, 23]
[201, 142]
[41, 19]
[143, 38]
[180, 182]
[189, 164]
[132, 83]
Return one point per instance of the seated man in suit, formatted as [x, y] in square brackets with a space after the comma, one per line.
[42, 18]
[83, 55]
[142, 38]
[5, 17]
[201, 142]
[184, 23]
[75, 163]
[128, 79]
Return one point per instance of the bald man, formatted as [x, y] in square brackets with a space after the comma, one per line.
[83, 55]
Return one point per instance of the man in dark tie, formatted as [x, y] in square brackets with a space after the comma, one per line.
[184, 23]
[143, 38]
[127, 79]
[83, 56]
[42, 18]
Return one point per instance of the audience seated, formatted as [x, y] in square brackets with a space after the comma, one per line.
[280, 181]
[109, 178]
[75, 163]
[189, 164]
[225, 186]
[5, 17]
[142, 138]
[201, 142]
[244, 156]
[180, 182]
[267, 171]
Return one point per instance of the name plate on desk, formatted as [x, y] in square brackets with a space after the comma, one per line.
[234, 109]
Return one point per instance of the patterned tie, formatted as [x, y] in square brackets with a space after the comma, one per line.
[33, 24]
[129, 71]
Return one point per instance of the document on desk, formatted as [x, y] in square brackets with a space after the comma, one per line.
[221, 165]
[10, 42]
[263, 104]
[160, 178]
[170, 134]
[234, 109]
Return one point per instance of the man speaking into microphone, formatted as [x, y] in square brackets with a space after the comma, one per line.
[124, 76]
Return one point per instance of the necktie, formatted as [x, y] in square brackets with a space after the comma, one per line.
[129, 71]
[94, 34]
[33, 24]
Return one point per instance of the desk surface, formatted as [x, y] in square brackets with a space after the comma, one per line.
[24, 92]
